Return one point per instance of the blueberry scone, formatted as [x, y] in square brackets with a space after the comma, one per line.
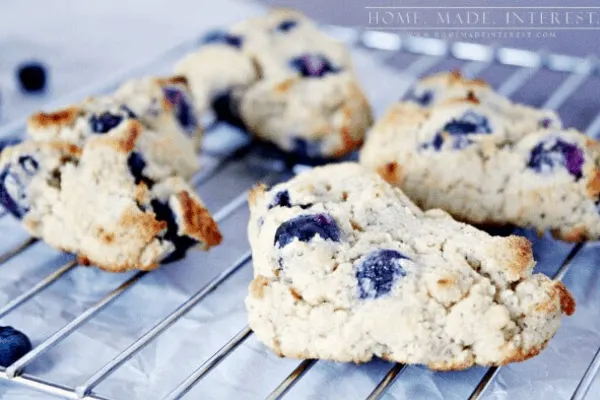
[165, 141]
[101, 202]
[286, 82]
[484, 168]
[346, 268]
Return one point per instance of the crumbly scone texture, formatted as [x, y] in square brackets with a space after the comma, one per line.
[286, 82]
[214, 70]
[165, 105]
[442, 87]
[99, 203]
[366, 273]
[329, 114]
[165, 145]
[486, 168]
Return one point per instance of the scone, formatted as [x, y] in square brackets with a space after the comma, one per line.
[283, 80]
[169, 151]
[320, 116]
[101, 203]
[485, 168]
[347, 268]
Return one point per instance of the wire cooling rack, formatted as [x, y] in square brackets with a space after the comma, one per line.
[228, 156]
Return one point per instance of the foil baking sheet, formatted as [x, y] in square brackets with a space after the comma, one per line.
[232, 165]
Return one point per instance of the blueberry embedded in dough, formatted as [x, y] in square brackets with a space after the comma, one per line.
[182, 108]
[286, 25]
[305, 228]
[104, 122]
[181, 244]
[222, 37]
[377, 272]
[554, 152]
[281, 199]
[424, 98]
[313, 65]
[226, 108]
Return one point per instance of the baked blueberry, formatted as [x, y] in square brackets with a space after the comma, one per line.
[281, 199]
[222, 37]
[181, 108]
[378, 271]
[287, 25]
[32, 76]
[423, 99]
[306, 227]
[545, 123]
[554, 152]
[182, 243]
[305, 148]
[313, 65]
[470, 123]
[104, 122]
[136, 164]
[13, 345]
[14, 180]
[226, 109]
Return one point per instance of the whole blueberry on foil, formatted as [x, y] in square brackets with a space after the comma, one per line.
[555, 152]
[378, 271]
[306, 227]
[13, 345]
[313, 65]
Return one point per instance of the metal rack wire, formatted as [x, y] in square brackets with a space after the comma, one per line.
[430, 53]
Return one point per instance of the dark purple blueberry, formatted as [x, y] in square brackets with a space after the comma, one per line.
[377, 273]
[306, 227]
[136, 164]
[315, 65]
[29, 165]
[32, 76]
[459, 129]
[545, 123]
[222, 37]
[182, 243]
[470, 123]
[423, 99]
[281, 199]
[104, 122]
[287, 25]
[13, 345]
[182, 109]
[554, 152]
[227, 109]
[14, 180]
[306, 148]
